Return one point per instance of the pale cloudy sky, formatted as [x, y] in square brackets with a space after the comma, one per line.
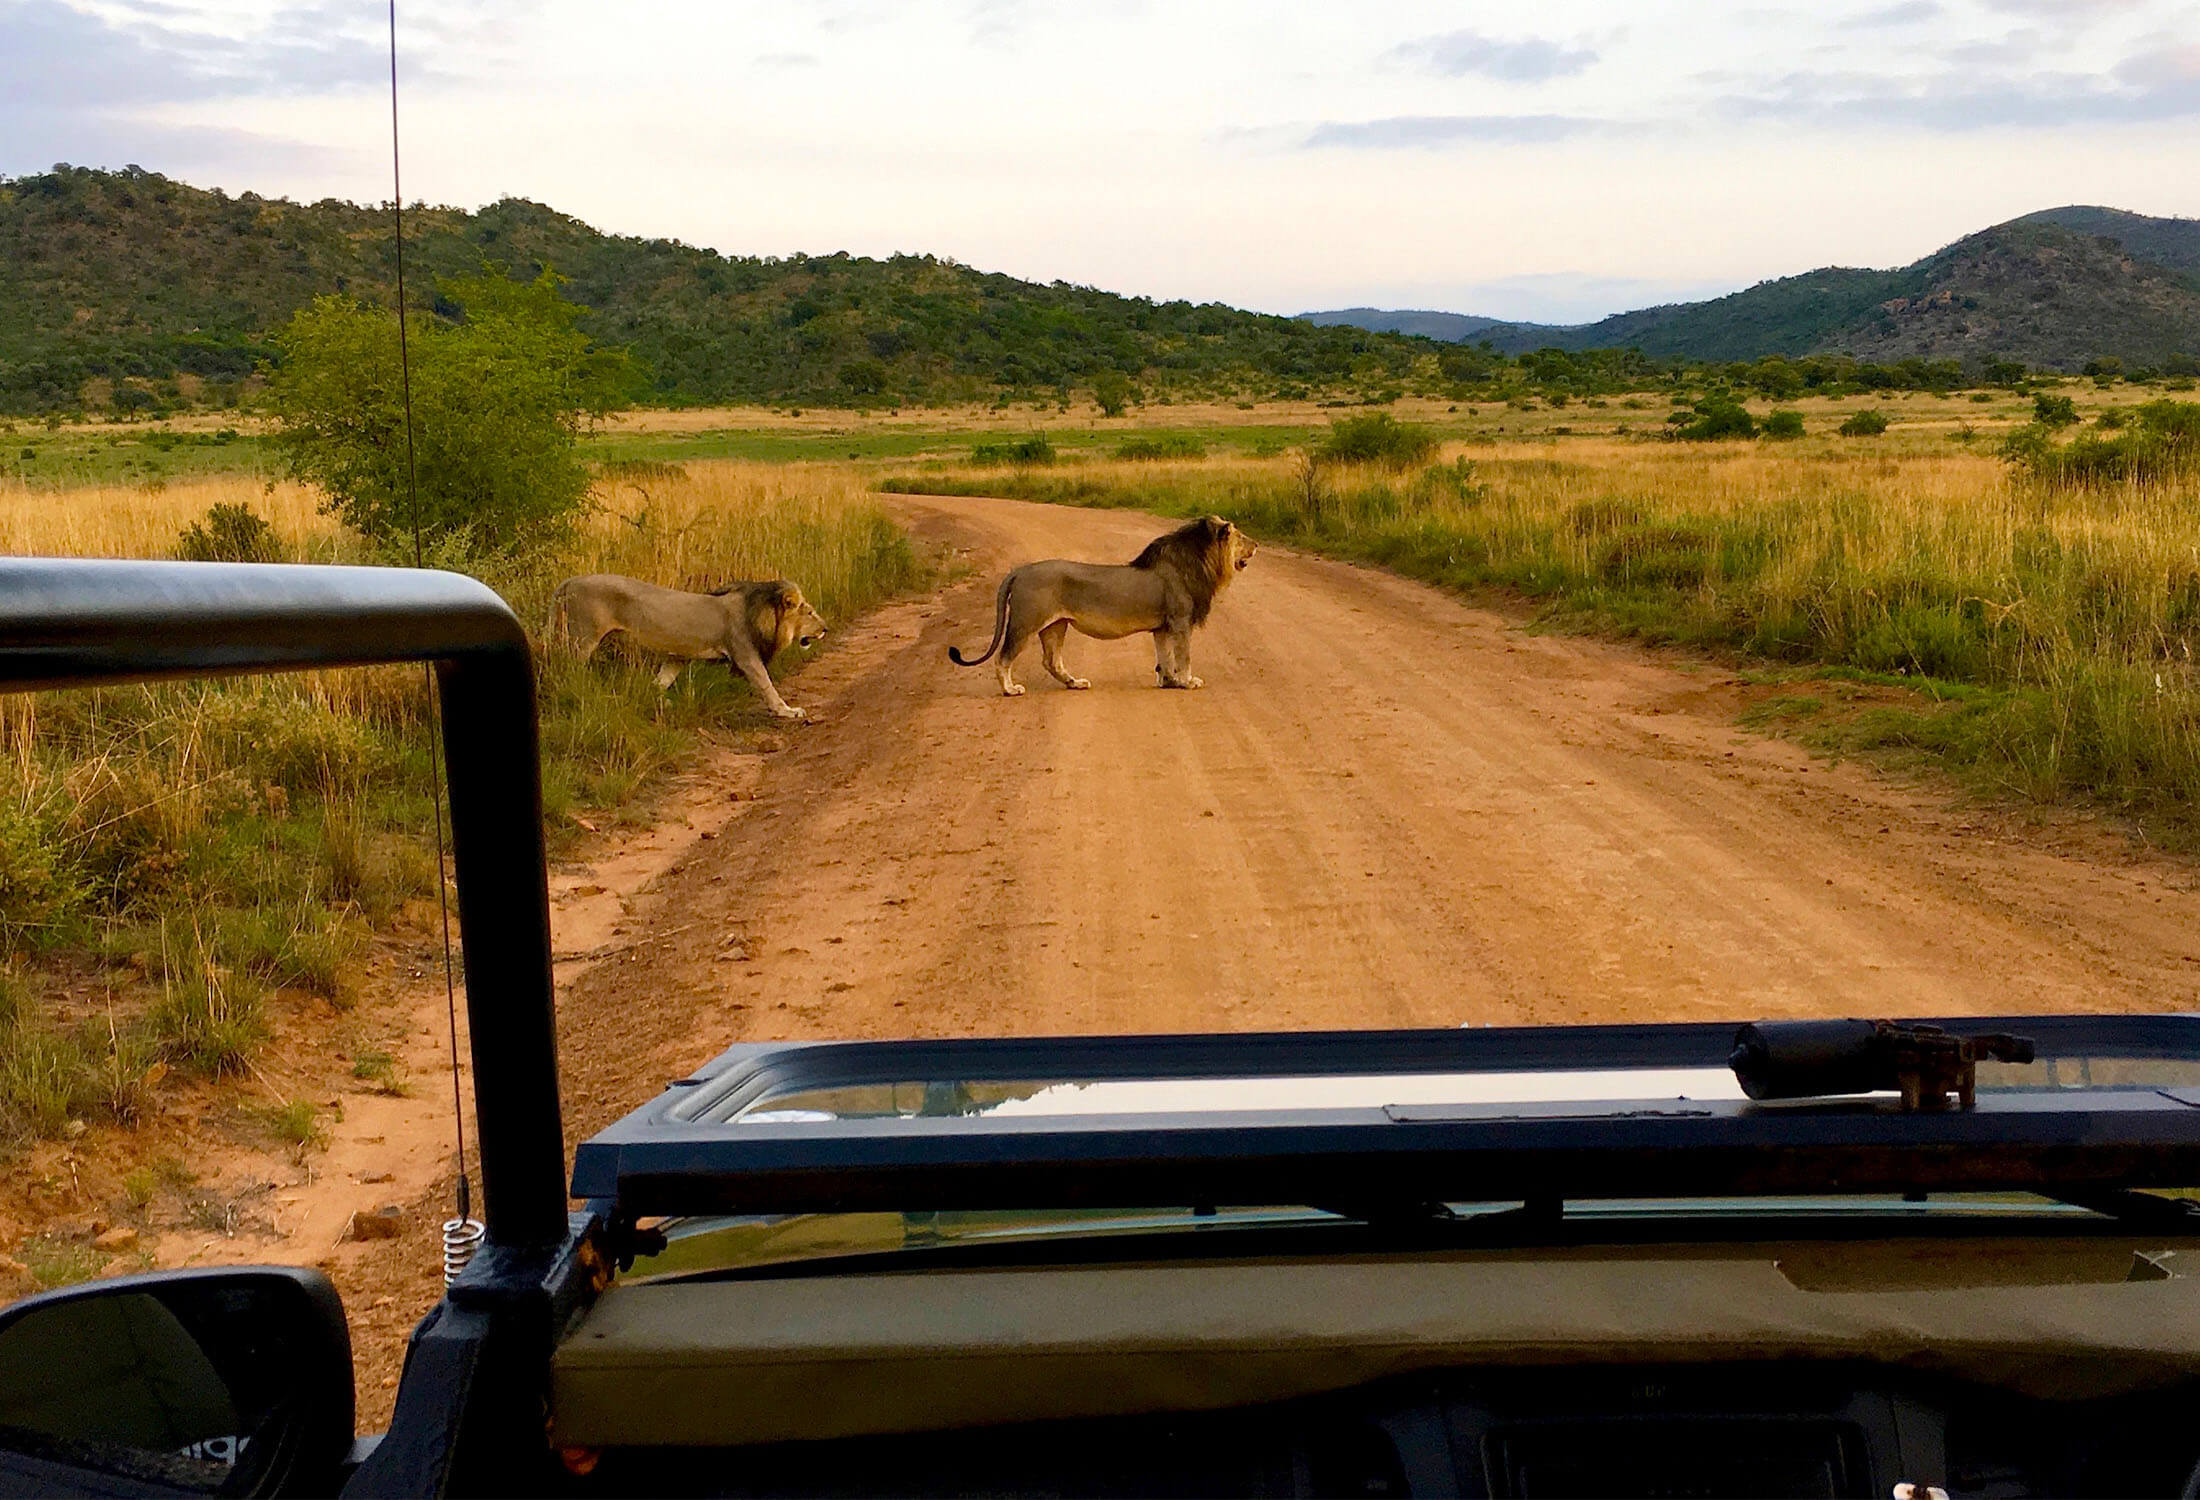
[1557, 161]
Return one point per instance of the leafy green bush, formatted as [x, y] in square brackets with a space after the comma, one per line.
[1784, 424]
[2054, 411]
[497, 398]
[1162, 445]
[1376, 438]
[866, 376]
[40, 886]
[1870, 422]
[230, 533]
[1716, 417]
[1022, 451]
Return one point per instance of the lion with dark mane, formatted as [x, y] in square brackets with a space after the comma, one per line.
[1168, 589]
[745, 625]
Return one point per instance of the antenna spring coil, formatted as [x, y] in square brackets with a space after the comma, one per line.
[461, 1238]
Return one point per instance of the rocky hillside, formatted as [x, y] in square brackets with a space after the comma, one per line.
[2056, 290]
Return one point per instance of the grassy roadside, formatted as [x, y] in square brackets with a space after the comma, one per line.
[173, 858]
[2036, 639]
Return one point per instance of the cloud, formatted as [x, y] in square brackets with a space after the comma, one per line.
[997, 22]
[1455, 54]
[2147, 88]
[787, 60]
[2168, 65]
[1424, 131]
[1906, 13]
[76, 87]
[2061, 10]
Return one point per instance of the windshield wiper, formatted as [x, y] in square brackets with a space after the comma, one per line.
[1827, 1059]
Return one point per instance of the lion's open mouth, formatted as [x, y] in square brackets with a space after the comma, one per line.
[807, 640]
[1241, 562]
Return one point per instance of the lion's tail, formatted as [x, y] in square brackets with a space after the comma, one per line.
[1000, 629]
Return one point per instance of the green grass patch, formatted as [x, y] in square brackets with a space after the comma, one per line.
[56, 1262]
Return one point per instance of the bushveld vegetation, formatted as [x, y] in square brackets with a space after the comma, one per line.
[2039, 615]
[186, 851]
[193, 285]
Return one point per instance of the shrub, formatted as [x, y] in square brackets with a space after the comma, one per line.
[1031, 450]
[40, 886]
[1162, 445]
[2161, 442]
[1870, 422]
[1784, 424]
[1717, 417]
[230, 533]
[1376, 438]
[2054, 411]
[865, 376]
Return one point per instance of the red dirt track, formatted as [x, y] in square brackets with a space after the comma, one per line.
[1386, 809]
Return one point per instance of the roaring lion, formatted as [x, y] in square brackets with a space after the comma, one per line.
[1167, 589]
[746, 624]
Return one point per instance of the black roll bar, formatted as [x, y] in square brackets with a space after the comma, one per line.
[72, 622]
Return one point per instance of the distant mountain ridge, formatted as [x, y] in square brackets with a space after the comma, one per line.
[2055, 289]
[1444, 327]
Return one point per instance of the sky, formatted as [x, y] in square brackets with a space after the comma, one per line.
[1554, 162]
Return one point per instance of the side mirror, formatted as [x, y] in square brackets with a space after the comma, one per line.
[224, 1381]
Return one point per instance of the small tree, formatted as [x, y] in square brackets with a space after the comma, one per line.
[498, 398]
[2054, 411]
[1786, 423]
[1112, 389]
[1868, 423]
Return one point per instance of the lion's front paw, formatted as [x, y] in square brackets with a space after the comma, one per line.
[1012, 690]
[1194, 682]
[1078, 683]
[791, 714]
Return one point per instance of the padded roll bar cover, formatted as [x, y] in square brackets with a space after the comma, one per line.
[78, 622]
[75, 622]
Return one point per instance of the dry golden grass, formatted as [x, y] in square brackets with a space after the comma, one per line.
[271, 819]
[137, 521]
[2054, 629]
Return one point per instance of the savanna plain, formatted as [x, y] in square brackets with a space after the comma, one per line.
[1524, 713]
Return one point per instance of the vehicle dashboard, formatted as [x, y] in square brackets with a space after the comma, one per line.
[1983, 1365]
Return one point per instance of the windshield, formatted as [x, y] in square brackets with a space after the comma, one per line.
[1365, 585]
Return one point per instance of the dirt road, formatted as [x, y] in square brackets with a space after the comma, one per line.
[1385, 809]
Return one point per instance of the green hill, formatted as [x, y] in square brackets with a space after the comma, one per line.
[132, 278]
[2174, 243]
[2055, 289]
